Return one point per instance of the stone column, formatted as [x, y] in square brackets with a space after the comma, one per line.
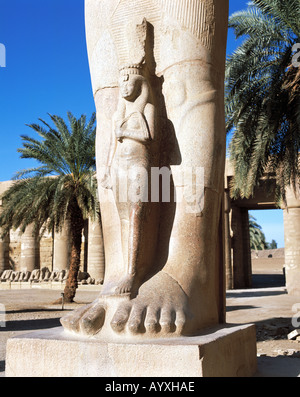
[95, 256]
[241, 248]
[292, 242]
[4, 249]
[61, 249]
[30, 250]
[4, 253]
[227, 232]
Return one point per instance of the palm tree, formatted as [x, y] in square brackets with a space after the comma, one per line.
[257, 237]
[262, 96]
[272, 245]
[61, 188]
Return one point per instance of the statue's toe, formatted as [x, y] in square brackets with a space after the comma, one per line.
[71, 321]
[121, 317]
[92, 321]
[136, 320]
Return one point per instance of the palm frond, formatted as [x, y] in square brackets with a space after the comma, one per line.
[44, 195]
[262, 97]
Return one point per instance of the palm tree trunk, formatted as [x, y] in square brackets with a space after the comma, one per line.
[76, 225]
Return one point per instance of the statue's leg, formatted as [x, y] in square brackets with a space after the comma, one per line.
[139, 229]
[89, 319]
[131, 245]
[185, 295]
[124, 215]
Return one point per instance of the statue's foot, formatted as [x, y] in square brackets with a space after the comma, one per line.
[159, 309]
[125, 285]
[87, 320]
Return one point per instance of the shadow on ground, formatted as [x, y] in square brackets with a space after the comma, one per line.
[41, 310]
[245, 307]
[249, 293]
[277, 367]
[268, 280]
[274, 328]
[31, 325]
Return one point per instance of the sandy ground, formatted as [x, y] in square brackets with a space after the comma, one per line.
[274, 313]
[31, 310]
[266, 304]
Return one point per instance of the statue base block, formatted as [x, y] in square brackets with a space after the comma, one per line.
[225, 351]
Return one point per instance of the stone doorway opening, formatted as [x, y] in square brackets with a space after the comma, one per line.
[268, 264]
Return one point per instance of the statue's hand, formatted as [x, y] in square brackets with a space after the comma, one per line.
[106, 180]
[119, 134]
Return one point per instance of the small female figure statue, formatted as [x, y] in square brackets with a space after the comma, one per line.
[133, 151]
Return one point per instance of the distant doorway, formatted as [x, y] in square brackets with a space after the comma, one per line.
[268, 264]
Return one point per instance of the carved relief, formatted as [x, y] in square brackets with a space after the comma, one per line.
[178, 26]
[195, 15]
[133, 148]
[164, 258]
[127, 10]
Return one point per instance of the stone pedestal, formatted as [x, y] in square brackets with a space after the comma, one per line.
[225, 351]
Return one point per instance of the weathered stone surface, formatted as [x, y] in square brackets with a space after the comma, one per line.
[95, 251]
[61, 249]
[291, 218]
[30, 250]
[157, 69]
[218, 352]
[164, 62]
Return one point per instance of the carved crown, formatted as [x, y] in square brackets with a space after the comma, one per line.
[131, 69]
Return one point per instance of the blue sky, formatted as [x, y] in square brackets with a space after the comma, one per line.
[47, 72]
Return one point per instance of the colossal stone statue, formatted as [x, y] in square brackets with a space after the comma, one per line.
[157, 70]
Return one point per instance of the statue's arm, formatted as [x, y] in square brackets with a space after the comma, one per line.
[147, 130]
[106, 180]
[151, 118]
